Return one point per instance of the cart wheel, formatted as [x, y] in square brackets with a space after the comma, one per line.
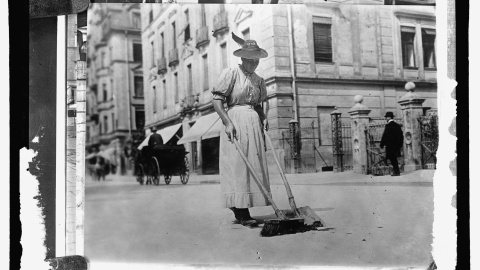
[155, 171]
[140, 174]
[168, 179]
[186, 174]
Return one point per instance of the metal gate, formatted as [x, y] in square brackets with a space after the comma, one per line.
[429, 140]
[376, 160]
[347, 147]
[299, 146]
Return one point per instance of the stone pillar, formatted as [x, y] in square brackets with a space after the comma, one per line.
[411, 105]
[360, 120]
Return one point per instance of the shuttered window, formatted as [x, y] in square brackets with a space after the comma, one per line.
[322, 39]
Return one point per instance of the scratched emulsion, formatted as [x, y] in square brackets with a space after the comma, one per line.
[42, 109]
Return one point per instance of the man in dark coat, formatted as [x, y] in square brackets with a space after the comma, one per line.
[155, 139]
[393, 140]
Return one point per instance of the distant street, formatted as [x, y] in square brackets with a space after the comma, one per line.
[371, 221]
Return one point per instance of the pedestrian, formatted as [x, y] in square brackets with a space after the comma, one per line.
[392, 139]
[155, 139]
[238, 99]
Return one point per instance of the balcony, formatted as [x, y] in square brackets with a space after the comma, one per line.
[202, 36]
[173, 57]
[190, 103]
[108, 27]
[161, 65]
[220, 23]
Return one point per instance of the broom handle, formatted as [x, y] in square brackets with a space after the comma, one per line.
[291, 200]
[257, 180]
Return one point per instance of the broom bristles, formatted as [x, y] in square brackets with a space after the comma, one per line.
[275, 227]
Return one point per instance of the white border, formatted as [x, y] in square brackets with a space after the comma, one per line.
[61, 137]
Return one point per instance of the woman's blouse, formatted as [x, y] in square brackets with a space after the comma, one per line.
[235, 86]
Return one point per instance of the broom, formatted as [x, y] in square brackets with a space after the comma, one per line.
[311, 219]
[272, 227]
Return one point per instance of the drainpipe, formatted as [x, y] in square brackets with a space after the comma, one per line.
[292, 61]
[128, 87]
[293, 124]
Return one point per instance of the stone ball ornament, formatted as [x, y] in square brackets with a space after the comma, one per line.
[410, 86]
[358, 99]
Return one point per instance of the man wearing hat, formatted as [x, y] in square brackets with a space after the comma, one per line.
[392, 139]
[238, 99]
[155, 139]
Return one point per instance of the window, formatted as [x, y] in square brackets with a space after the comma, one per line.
[204, 15]
[324, 124]
[154, 99]
[175, 87]
[150, 16]
[162, 42]
[408, 46]
[137, 52]
[88, 134]
[105, 93]
[224, 56]
[428, 43]
[139, 119]
[138, 86]
[105, 124]
[205, 72]
[164, 84]
[187, 26]
[136, 22]
[152, 54]
[103, 59]
[322, 39]
[174, 36]
[189, 86]
[246, 34]
[100, 128]
[113, 122]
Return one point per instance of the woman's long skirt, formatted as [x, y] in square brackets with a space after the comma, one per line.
[238, 187]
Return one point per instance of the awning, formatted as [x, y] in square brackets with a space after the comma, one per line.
[168, 132]
[108, 154]
[206, 127]
[144, 143]
[91, 155]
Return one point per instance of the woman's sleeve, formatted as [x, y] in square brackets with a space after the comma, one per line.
[225, 84]
[263, 91]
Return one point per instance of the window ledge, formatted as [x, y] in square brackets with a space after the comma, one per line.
[325, 63]
[411, 68]
[430, 69]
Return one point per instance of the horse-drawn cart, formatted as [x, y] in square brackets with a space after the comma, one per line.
[166, 160]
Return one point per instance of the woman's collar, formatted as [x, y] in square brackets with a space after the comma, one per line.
[244, 71]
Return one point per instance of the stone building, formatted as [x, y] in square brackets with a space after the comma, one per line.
[115, 111]
[320, 57]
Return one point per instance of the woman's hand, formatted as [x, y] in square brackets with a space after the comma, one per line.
[230, 131]
[265, 124]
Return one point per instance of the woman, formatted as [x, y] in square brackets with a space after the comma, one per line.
[242, 92]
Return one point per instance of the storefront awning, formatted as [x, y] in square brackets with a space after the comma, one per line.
[166, 133]
[206, 127]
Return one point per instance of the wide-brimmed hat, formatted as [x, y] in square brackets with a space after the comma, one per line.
[249, 50]
[389, 114]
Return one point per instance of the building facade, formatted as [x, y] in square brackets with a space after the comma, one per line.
[115, 97]
[329, 52]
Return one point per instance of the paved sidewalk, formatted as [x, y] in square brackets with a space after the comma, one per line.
[320, 178]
